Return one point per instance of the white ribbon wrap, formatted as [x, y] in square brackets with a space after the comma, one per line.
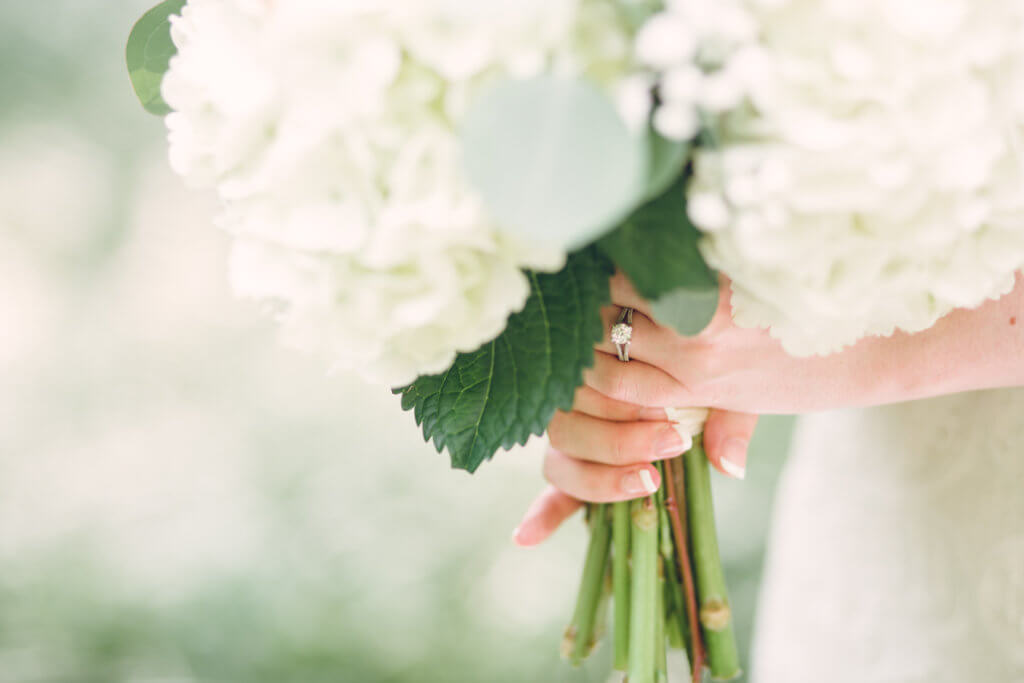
[688, 423]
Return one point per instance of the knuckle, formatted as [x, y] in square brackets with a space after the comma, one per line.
[556, 430]
[622, 387]
[581, 397]
[593, 483]
[619, 445]
[631, 443]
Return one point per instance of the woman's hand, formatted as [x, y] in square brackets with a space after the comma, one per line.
[603, 449]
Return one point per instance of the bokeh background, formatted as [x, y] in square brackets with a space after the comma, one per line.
[182, 500]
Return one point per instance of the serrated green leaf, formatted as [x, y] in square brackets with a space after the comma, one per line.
[656, 247]
[687, 311]
[148, 53]
[553, 160]
[510, 388]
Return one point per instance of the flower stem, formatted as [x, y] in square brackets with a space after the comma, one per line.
[620, 581]
[660, 654]
[674, 605]
[579, 637]
[673, 630]
[601, 614]
[715, 613]
[644, 586]
[675, 504]
[677, 627]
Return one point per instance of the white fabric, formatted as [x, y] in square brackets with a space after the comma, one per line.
[897, 554]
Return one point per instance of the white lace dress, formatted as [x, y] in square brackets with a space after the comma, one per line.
[897, 554]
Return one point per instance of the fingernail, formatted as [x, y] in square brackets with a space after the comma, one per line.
[734, 457]
[670, 442]
[517, 539]
[653, 414]
[639, 482]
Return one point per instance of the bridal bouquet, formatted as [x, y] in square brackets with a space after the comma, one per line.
[434, 193]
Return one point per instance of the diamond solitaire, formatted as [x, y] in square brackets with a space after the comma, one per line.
[621, 333]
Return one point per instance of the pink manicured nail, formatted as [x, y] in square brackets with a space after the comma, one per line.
[669, 442]
[639, 482]
[734, 457]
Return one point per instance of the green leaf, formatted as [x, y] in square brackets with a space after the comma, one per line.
[148, 53]
[637, 12]
[510, 388]
[553, 160]
[656, 247]
[688, 311]
[666, 160]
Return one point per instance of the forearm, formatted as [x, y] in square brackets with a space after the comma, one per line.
[969, 349]
[746, 370]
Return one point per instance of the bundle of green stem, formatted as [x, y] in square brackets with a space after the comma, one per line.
[657, 557]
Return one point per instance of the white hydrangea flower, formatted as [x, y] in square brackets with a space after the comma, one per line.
[698, 48]
[330, 130]
[876, 179]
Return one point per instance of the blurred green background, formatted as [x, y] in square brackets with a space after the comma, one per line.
[183, 501]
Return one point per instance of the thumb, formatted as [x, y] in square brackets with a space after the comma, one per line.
[727, 436]
[548, 511]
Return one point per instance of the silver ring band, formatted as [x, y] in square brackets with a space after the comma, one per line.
[622, 333]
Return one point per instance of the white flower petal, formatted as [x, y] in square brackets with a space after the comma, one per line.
[330, 129]
[877, 181]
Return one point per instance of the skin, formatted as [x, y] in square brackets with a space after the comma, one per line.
[618, 427]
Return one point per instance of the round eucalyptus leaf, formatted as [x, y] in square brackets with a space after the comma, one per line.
[148, 52]
[553, 160]
[688, 311]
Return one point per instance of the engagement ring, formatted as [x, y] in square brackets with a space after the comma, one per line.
[622, 333]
